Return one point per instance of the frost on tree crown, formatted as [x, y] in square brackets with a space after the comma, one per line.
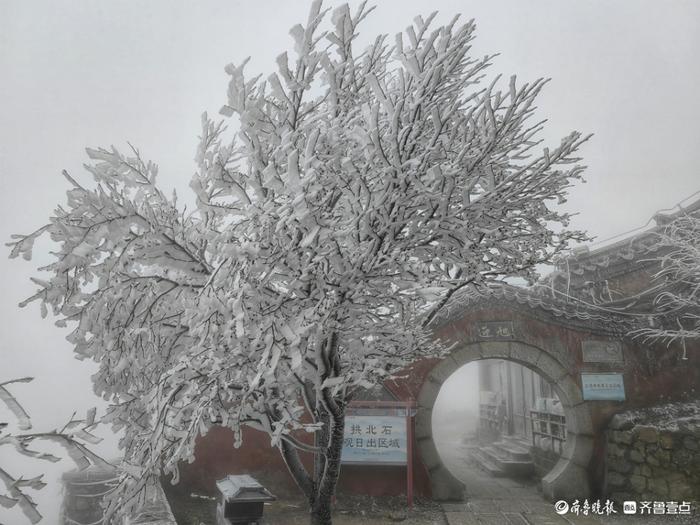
[361, 190]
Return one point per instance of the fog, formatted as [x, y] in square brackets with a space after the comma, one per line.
[85, 73]
[456, 409]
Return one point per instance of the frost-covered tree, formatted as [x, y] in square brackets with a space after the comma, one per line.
[73, 437]
[360, 192]
[677, 306]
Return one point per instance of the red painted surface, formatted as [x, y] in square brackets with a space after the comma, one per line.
[409, 465]
[215, 457]
[649, 379]
[409, 381]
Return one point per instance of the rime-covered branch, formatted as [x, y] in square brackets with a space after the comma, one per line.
[677, 306]
[72, 437]
[359, 190]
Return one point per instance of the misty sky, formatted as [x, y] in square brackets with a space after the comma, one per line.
[96, 73]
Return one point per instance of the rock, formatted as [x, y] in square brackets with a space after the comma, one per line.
[616, 480]
[675, 476]
[659, 472]
[663, 457]
[682, 457]
[620, 465]
[621, 422]
[616, 450]
[666, 440]
[397, 515]
[647, 434]
[619, 497]
[654, 454]
[636, 456]
[643, 470]
[690, 443]
[679, 489]
[623, 436]
[639, 483]
[658, 487]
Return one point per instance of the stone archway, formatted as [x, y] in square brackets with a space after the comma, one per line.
[569, 477]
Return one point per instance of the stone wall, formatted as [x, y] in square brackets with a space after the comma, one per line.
[654, 454]
[548, 340]
[543, 460]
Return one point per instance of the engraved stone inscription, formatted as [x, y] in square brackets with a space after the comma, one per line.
[495, 330]
[602, 352]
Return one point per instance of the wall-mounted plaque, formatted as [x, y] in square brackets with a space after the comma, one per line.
[375, 439]
[495, 330]
[603, 387]
[602, 352]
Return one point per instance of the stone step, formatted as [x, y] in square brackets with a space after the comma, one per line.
[495, 455]
[485, 463]
[519, 441]
[510, 466]
[513, 451]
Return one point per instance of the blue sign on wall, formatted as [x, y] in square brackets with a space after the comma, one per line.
[375, 439]
[603, 387]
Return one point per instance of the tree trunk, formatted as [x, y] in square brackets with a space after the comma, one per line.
[321, 506]
[297, 470]
[321, 512]
[326, 483]
[319, 491]
[319, 488]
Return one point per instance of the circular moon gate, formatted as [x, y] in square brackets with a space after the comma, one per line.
[569, 477]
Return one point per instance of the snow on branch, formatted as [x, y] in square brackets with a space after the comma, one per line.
[363, 187]
[72, 437]
[677, 305]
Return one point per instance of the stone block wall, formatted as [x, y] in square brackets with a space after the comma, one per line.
[654, 454]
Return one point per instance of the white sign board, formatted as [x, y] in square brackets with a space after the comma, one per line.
[603, 387]
[375, 439]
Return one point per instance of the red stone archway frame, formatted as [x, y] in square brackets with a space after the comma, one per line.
[569, 477]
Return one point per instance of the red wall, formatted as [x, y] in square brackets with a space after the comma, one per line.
[651, 376]
[649, 379]
[215, 458]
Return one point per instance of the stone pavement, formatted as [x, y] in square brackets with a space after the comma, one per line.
[499, 501]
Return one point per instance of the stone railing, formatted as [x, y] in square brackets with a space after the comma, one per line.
[84, 491]
[156, 510]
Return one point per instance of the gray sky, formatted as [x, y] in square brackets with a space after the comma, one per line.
[95, 73]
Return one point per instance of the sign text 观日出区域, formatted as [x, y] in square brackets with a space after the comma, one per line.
[375, 439]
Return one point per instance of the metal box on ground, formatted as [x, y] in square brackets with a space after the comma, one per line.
[242, 500]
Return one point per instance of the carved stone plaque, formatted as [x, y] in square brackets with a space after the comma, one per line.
[495, 330]
[602, 352]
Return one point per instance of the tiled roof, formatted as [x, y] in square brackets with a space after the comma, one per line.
[635, 247]
[540, 301]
